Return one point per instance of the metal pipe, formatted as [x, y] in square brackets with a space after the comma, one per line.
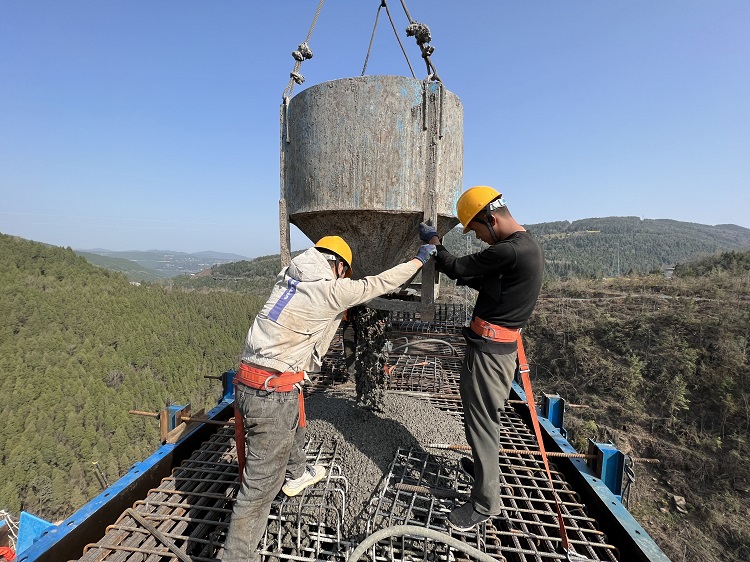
[428, 340]
[401, 530]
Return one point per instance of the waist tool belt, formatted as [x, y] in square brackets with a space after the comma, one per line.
[271, 382]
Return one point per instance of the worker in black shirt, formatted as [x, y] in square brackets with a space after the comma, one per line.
[508, 276]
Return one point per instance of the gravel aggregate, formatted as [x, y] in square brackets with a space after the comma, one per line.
[368, 441]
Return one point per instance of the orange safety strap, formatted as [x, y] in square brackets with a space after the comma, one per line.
[263, 380]
[523, 367]
[239, 435]
[503, 334]
[267, 380]
[492, 331]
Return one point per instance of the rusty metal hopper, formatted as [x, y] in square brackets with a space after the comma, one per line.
[369, 158]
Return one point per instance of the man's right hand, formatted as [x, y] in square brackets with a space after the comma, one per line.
[426, 232]
[425, 251]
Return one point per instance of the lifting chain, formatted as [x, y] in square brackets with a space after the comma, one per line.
[302, 53]
[422, 34]
[417, 30]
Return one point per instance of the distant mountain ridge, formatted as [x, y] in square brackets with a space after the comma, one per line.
[133, 270]
[155, 264]
[593, 247]
[615, 246]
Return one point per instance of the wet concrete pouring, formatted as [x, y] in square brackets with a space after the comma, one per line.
[371, 330]
[382, 470]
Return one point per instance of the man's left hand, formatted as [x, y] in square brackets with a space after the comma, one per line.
[427, 232]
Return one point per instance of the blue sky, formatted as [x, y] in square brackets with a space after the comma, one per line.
[138, 124]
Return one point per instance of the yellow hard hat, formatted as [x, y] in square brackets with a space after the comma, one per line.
[338, 246]
[473, 201]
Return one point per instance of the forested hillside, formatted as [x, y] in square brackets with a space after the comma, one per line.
[79, 347]
[663, 366]
[614, 246]
[596, 248]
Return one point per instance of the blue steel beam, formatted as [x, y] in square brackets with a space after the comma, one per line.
[66, 540]
[609, 465]
[553, 408]
[634, 543]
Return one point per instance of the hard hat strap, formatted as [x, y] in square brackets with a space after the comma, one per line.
[491, 206]
[490, 227]
[489, 223]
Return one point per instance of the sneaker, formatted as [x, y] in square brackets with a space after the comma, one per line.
[467, 466]
[465, 517]
[311, 475]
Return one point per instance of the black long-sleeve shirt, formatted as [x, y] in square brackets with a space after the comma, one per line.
[508, 276]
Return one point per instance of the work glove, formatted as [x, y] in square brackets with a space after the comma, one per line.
[426, 232]
[425, 252]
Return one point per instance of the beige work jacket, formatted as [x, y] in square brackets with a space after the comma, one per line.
[294, 329]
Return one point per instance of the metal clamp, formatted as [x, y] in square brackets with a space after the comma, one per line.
[265, 384]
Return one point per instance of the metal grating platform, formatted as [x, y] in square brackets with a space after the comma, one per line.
[421, 489]
[187, 516]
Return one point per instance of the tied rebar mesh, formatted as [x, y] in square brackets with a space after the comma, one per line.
[187, 516]
[421, 489]
[449, 318]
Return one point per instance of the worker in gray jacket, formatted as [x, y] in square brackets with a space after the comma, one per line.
[289, 338]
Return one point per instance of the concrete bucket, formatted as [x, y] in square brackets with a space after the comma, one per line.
[369, 158]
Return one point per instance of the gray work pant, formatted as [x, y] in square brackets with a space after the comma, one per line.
[485, 385]
[273, 450]
[349, 335]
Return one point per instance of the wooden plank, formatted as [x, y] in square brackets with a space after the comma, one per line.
[183, 427]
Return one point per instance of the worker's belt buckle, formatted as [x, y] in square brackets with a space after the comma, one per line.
[265, 384]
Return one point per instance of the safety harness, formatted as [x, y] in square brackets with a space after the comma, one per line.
[269, 381]
[506, 335]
